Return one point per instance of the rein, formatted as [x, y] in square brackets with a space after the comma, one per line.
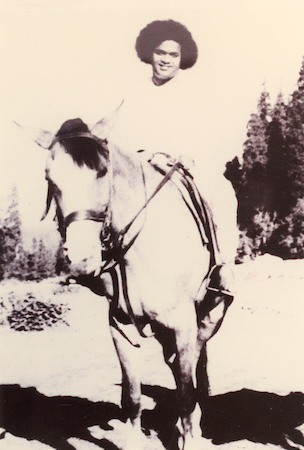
[166, 178]
[112, 247]
[115, 246]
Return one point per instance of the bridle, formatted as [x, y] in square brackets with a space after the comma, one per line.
[112, 242]
[113, 246]
[88, 214]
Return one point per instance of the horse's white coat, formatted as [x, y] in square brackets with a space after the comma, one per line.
[165, 265]
[81, 189]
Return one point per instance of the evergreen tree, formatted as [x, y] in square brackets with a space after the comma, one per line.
[45, 264]
[61, 262]
[11, 252]
[270, 183]
[255, 147]
[31, 272]
[233, 173]
[279, 161]
[2, 253]
[15, 261]
[295, 138]
[255, 191]
[287, 240]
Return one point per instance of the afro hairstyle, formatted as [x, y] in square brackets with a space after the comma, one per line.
[159, 31]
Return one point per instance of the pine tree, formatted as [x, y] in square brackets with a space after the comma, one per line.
[11, 252]
[295, 138]
[255, 147]
[270, 183]
[45, 262]
[297, 102]
[255, 189]
[287, 240]
[2, 253]
[233, 173]
[278, 161]
[15, 261]
[61, 262]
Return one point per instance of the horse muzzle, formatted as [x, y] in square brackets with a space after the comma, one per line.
[82, 248]
[86, 266]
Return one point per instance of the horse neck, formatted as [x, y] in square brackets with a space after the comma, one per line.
[128, 190]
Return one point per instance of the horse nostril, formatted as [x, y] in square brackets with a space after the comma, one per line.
[65, 253]
[67, 259]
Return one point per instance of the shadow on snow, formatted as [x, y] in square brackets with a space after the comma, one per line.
[53, 420]
[259, 417]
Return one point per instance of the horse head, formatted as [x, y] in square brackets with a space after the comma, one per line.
[77, 173]
[78, 182]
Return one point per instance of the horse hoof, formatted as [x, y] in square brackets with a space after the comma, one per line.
[96, 432]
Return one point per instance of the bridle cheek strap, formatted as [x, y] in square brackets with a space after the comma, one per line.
[49, 198]
[85, 214]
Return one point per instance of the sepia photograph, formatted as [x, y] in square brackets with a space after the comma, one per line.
[152, 225]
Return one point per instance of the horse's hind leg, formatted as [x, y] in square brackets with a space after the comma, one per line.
[209, 323]
[202, 376]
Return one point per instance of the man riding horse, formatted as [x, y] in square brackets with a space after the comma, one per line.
[136, 229]
[162, 115]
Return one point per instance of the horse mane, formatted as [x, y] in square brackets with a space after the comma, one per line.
[85, 151]
[85, 148]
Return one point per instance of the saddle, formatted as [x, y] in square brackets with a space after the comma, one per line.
[196, 204]
[219, 276]
[213, 289]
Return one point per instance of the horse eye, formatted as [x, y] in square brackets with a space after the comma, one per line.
[101, 173]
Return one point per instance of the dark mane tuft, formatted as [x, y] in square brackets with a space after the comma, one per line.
[84, 151]
[72, 126]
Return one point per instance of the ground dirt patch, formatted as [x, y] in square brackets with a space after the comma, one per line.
[60, 385]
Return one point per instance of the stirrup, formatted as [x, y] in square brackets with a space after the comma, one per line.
[216, 293]
[217, 284]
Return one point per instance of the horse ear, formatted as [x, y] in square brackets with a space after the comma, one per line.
[41, 137]
[103, 127]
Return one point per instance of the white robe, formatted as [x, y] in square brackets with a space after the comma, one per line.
[171, 119]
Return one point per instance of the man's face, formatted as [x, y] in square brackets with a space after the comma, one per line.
[166, 60]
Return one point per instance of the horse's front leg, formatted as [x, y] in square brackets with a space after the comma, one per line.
[131, 389]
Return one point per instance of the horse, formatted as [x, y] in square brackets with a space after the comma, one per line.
[130, 234]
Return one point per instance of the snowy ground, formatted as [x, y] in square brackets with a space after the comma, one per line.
[257, 357]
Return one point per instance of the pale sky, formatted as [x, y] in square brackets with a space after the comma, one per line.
[65, 59]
